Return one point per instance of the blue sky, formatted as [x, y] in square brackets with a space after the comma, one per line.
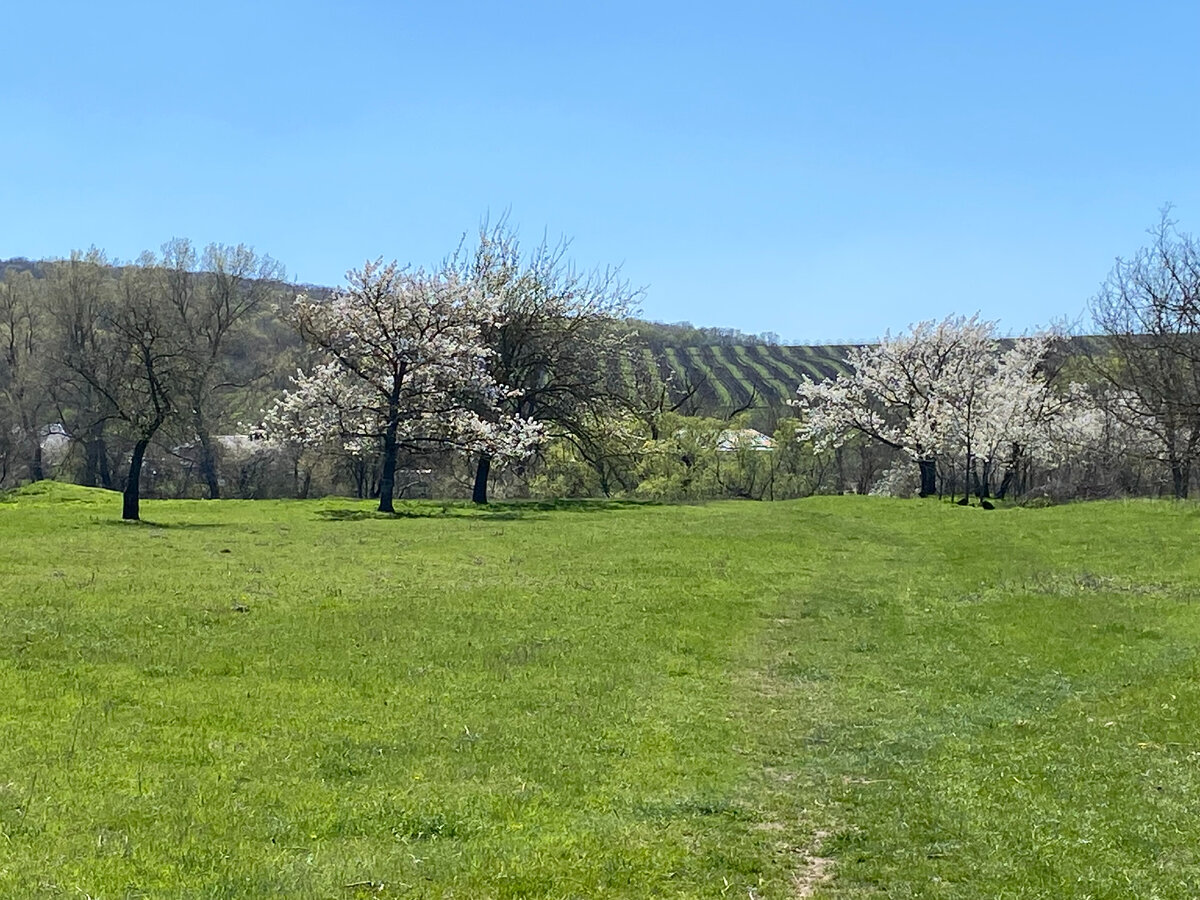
[822, 170]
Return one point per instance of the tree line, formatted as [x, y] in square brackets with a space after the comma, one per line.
[205, 372]
[1117, 414]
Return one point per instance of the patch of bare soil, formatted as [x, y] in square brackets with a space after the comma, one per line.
[815, 870]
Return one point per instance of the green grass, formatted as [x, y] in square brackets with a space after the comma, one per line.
[255, 699]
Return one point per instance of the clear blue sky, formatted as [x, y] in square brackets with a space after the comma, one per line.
[822, 170]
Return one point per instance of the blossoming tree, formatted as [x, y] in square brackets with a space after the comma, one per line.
[553, 339]
[941, 391]
[404, 366]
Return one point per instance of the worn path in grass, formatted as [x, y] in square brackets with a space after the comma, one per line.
[305, 699]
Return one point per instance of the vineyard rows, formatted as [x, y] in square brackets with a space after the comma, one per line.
[720, 379]
[726, 378]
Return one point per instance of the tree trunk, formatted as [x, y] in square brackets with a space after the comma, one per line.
[300, 487]
[132, 496]
[1005, 484]
[985, 482]
[482, 470]
[928, 469]
[839, 460]
[362, 490]
[208, 463]
[1180, 476]
[94, 458]
[387, 479]
[106, 478]
[36, 470]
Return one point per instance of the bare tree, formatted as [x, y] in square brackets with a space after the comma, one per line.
[1149, 310]
[651, 393]
[24, 394]
[79, 291]
[211, 296]
[139, 363]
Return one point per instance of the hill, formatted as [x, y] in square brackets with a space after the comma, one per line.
[718, 370]
[731, 377]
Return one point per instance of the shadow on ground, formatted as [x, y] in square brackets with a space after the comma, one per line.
[147, 523]
[508, 510]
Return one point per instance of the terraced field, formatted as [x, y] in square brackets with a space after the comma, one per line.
[731, 377]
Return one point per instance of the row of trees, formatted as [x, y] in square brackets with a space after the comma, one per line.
[502, 366]
[489, 356]
[117, 352]
[951, 397]
[486, 357]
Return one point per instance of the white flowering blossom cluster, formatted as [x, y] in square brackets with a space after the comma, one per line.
[940, 392]
[404, 367]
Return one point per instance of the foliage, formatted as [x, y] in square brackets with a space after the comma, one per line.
[551, 338]
[561, 356]
[213, 297]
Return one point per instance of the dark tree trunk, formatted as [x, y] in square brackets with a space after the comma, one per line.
[36, 471]
[95, 459]
[865, 473]
[1180, 476]
[1005, 484]
[387, 478]
[928, 469]
[300, 486]
[483, 470]
[132, 496]
[839, 459]
[208, 463]
[985, 482]
[362, 489]
[106, 478]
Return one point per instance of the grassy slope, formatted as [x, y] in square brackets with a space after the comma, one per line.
[255, 699]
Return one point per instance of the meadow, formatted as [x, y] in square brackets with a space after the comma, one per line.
[835, 697]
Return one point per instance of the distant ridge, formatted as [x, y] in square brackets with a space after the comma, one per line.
[728, 378]
[713, 371]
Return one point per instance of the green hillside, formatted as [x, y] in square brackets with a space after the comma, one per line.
[735, 376]
[729, 377]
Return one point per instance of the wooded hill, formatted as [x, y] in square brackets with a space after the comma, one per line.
[708, 371]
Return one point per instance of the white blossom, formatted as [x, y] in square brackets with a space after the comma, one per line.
[941, 391]
[404, 365]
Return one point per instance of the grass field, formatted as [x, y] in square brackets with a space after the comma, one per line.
[852, 697]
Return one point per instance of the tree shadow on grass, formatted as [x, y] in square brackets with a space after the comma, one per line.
[503, 511]
[147, 523]
[359, 515]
